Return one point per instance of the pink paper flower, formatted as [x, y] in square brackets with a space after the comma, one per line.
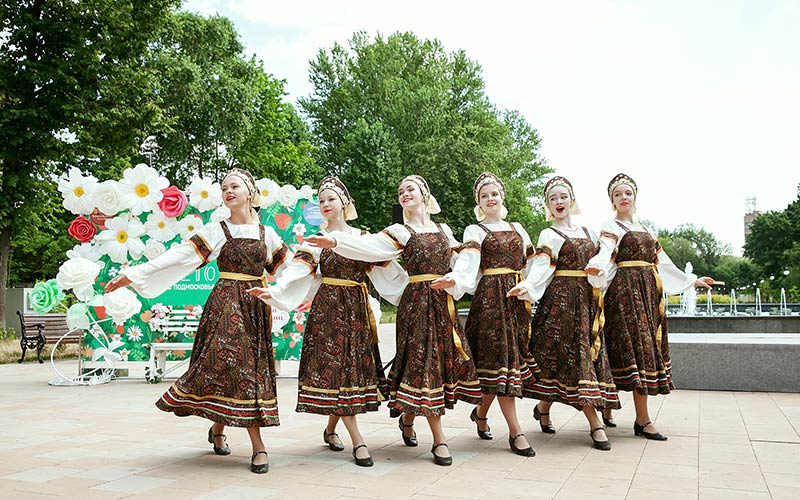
[174, 202]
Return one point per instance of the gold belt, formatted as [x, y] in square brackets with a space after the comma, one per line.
[599, 315]
[365, 295]
[224, 275]
[507, 270]
[451, 307]
[661, 305]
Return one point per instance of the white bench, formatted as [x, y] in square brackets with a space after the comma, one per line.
[178, 322]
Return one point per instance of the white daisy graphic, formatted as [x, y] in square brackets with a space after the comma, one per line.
[160, 227]
[189, 226]
[140, 188]
[269, 191]
[204, 194]
[134, 333]
[299, 229]
[78, 192]
[122, 236]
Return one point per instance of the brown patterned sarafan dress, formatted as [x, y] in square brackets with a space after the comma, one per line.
[498, 328]
[636, 327]
[571, 361]
[430, 371]
[231, 375]
[340, 366]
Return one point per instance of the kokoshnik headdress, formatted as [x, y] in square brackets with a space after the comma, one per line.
[482, 180]
[249, 183]
[619, 180]
[555, 182]
[338, 187]
[431, 205]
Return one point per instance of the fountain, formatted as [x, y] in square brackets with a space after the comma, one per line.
[689, 297]
[709, 305]
[732, 309]
[758, 302]
[783, 309]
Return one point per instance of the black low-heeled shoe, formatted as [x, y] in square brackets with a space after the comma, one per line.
[608, 422]
[219, 451]
[441, 460]
[524, 452]
[333, 445]
[599, 445]
[362, 462]
[547, 429]
[487, 434]
[655, 436]
[408, 441]
[259, 469]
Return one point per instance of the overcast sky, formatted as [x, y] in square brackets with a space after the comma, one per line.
[699, 101]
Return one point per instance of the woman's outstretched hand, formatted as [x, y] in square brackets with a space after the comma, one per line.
[517, 291]
[261, 293]
[320, 241]
[706, 282]
[442, 282]
[118, 282]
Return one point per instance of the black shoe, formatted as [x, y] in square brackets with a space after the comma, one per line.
[599, 445]
[259, 469]
[547, 429]
[333, 445]
[219, 451]
[608, 422]
[409, 441]
[362, 462]
[524, 452]
[655, 436]
[441, 460]
[487, 434]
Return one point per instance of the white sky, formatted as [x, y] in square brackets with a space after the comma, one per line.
[699, 101]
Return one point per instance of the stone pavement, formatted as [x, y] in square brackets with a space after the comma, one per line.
[109, 441]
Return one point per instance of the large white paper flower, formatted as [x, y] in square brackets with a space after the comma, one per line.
[141, 188]
[121, 304]
[85, 250]
[306, 192]
[204, 195]
[288, 196]
[78, 274]
[153, 248]
[220, 214]
[160, 227]
[269, 191]
[78, 192]
[122, 235]
[107, 198]
[189, 226]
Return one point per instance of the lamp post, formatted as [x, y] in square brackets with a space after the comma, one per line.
[148, 147]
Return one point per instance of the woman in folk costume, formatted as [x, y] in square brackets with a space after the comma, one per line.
[433, 366]
[639, 272]
[567, 341]
[498, 328]
[231, 377]
[340, 366]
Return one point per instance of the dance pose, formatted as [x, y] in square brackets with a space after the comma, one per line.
[231, 376]
[433, 367]
[639, 272]
[498, 327]
[567, 341]
[340, 366]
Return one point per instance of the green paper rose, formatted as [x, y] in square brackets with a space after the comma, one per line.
[45, 296]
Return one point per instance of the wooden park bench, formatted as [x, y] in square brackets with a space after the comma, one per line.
[41, 329]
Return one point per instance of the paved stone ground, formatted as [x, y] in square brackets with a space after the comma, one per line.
[109, 442]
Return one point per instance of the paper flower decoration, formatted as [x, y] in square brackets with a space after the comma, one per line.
[121, 237]
[288, 196]
[189, 226]
[204, 195]
[85, 250]
[160, 227]
[121, 304]
[107, 197]
[220, 214]
[82, 229]
[269, 191]
[78, 192]
[77, 316]
[153, 248]
[45, 296]
[140, 188]
[306, 192]
[173, 203]
[78, 274]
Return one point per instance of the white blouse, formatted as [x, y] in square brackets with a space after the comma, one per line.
[300, 282]
[470, 273]
[154, 277]
[380, 247]
[674, 281]
[542, 266]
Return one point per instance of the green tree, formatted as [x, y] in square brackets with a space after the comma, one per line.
[688, 243]
[388, 107]
[70, 75]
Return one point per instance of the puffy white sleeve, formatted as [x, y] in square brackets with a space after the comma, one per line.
[299, 281]
[467, 266]
[389, 279]
[673, 280]
[152, 278]
[610, 234]
[383, 246]
[542, 267]
[528, 248]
